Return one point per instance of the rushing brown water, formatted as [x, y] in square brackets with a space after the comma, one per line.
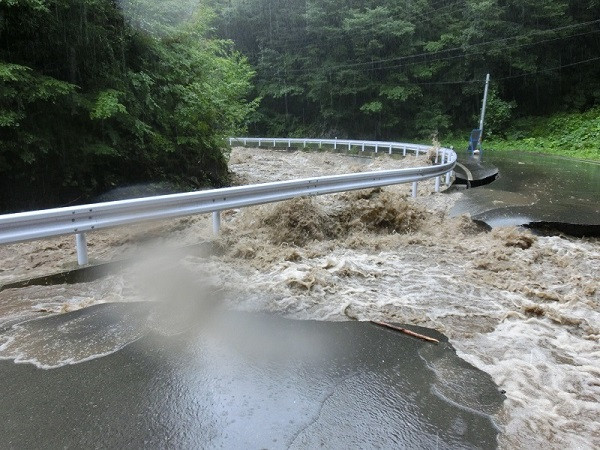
[523, 308]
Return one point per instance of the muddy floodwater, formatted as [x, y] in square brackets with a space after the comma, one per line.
[524, 308]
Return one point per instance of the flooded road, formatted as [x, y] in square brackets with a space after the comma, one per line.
[536, 189]
[523, 308]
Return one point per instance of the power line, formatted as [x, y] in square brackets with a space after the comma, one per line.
[549, 69]
[465, 55]
[400, 58]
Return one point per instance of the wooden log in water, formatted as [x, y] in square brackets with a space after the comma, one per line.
[405, 331]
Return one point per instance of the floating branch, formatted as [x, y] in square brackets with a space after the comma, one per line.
[405, 331]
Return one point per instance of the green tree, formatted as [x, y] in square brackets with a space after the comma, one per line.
[95, 94]
[408, 68]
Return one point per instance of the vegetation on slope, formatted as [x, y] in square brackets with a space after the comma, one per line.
[411, 68]
[96, 94]
[103, 93]
[568, 134]
[575, 135]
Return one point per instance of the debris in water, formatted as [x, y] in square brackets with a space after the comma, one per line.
[522, 307]
[513, 237]
[405, 331]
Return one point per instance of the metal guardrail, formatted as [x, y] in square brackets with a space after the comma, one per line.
[377, 146]
[79, 220]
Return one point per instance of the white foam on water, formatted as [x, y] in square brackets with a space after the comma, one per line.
[525, 309]
[49, 344]
[550, 375]
[549, 366]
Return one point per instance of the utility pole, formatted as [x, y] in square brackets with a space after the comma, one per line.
[485, 93]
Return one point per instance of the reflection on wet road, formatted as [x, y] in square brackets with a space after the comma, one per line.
[523, 308]
[245, 381]
[535, 188]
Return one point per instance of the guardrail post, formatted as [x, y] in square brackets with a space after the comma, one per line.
[216, 221]
[363, 147]
[335, 144]
[289, 143]
[417, 151]
[259, 142]
[449, 173]
[390, 149]
[437, 184]
[244, 142]
[82, 253]
[404, 151]
[349, 145]
[304, 143]
[320, 144]
[414, 189]
[230, 141]
[437, 155]
[376, 148]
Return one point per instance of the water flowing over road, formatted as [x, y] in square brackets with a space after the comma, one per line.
[524, 308]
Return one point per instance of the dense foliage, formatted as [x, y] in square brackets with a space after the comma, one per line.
[410, 68]
[567, 134]
[95, 94]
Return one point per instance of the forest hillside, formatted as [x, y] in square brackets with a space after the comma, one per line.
[388, 69]
[96, 94]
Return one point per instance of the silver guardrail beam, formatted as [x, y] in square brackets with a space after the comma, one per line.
[79, 220]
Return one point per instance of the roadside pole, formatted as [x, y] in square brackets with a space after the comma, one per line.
[485, 94]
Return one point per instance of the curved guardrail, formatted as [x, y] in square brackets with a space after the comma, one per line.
[390, 147]
[81, 219]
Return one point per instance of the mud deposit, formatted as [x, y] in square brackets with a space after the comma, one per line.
[523, 308]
